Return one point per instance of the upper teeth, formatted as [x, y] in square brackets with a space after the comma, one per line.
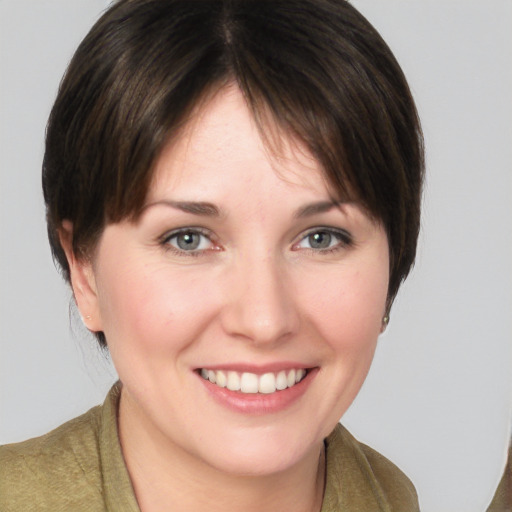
[251, 382]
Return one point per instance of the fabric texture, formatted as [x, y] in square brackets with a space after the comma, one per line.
[79, 467]
[502, 501]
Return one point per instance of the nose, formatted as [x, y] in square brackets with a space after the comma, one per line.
[260, 304]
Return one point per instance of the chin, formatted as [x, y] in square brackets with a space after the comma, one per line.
[260, 453]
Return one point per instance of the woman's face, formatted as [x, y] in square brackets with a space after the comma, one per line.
[243, 270]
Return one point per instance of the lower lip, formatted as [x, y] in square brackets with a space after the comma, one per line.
[259, 403]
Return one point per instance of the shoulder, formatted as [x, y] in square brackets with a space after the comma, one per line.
[502, 499]
[359, 474]
[395, 485]
[38, 473]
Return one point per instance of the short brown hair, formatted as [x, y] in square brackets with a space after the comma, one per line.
[317, 66]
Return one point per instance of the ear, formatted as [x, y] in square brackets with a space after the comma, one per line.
[83, 281]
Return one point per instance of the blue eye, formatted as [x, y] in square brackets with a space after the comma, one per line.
[188, 240]
[322, 239]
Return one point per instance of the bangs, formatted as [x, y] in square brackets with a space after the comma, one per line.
[314, 71]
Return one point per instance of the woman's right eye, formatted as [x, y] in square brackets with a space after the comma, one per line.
[192, 241]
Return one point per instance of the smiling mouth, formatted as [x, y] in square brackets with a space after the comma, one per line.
[253, 383]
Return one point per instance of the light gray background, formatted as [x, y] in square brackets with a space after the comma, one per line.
[438, 398]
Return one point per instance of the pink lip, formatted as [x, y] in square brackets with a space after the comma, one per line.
[256, 403]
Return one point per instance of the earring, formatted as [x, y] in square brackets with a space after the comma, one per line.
[88, 317]
[385, 322]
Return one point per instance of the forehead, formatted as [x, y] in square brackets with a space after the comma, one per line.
[222, 143]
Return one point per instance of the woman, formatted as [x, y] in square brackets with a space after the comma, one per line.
[232, 191]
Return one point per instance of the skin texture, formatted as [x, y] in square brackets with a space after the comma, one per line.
[255, 292]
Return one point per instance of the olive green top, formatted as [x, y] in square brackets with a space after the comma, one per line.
[502, 501]
[79, 467]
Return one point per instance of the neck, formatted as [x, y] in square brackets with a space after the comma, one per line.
[166, 477]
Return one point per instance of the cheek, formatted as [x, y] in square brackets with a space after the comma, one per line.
[152, 309]
[347, 307]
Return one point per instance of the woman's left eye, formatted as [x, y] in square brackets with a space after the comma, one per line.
[324, 239]
[188, 240]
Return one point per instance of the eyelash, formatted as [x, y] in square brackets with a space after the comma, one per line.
[344, 240]
[165, 241]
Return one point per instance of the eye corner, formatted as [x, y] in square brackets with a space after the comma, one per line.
[324, 239]
[189, 241]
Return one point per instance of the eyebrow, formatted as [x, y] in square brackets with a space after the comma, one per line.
[196, 208]
[315, 208]
[206, 209]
